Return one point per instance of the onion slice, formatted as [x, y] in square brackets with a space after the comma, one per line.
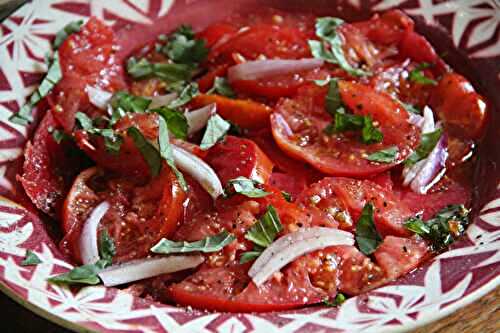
[99, 98]
[253, 70]
[199, 170]
[197, 119]
[148, 267]
[291, 246]
[88, 238]
[161, 100]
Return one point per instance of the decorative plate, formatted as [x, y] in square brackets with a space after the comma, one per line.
[469, 30]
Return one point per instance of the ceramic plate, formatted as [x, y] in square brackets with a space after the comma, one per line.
[467, 30]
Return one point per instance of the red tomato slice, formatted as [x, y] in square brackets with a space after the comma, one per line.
[206, 82]
[298, 127]
[388, 28]
[217, 33]
[49, 168]
[159, 203]
[234, 157]
[344, 198]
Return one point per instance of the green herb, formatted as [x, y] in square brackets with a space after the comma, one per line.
[185, 96]
[427, 144]
[182, 47]
[234, 129]
[417, 75]
[130, 103]
[148, 151]
[367, 236]
[65, 32]
[369, 133]
[107, 248]
[350, 122]
[59, 136]
[112, 141]
[167, 153]
[31, 259]
[247, 187]
[333, 101]
[222, 87]
[262, 234]
[287, 196]
[442, 230]
[176, 121]
[387, 155]
[217, 128]
[411, 108]
[171, 73]
[338, 300]
[53, 76]
[207, 245]
[326, 30]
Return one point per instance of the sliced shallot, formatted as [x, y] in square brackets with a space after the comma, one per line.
[161, 100]
[146, 268]
[291, 246]
[197, 119]
[99, 98]
[253, 70]
[89, 249]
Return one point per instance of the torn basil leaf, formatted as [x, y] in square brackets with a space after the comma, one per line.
[167, 153]
[246, 187]
[369, 133]
[287, 196]
[427, 144]
[351, 122]
[418, 76]
[112, 141]
[86, 274]
[171, 73]
[251, 255]
[217, 128]
[176, 121]
[59, 136]
[338, 300]
[130, 103]
[183, 47]
[148, 151]
[367, 236]
[387, 155]
[185, 96]
[65, 32]
[107, 248]
[222, 87]
[333, 100]
[30, 259]
[266, 229]
[207, 245]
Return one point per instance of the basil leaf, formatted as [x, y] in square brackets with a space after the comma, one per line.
[60, 136]
[53, 76]
[367, 236]
[250, 255]
[207, 245]
[112, 141]
[185, 96]
[411, 108]
[333, 101]
[234, 129]
[217, 128]
[427, 144]
[387, 155]
[417, 75]
[171, 73]
[107, 248]
[167, 153]
[222, 87]
[351, 122]
[338, 300]
[287, 196]
[31, 259]
[148, 151]
[443, 229]
[266, 229]
[86, 274]
[183, 48]
[247, 187]
[176, 121]
[130, 103]
[326, 30]
[65, 32]
[369, 133]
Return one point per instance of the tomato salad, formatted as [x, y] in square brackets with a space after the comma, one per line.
[267, 162]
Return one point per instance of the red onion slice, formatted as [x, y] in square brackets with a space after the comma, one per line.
[253, 70]
[428, 124]
[141, 269]
[197, 119]
[161, 100]
[99, 98]
[88, 238]
[291, 246]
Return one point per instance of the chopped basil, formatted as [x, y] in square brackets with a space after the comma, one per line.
[65, 32]
[411, 108]
[171, 73]
[130, 103]
[246, 187]
[441, 230]
[287, 196]
[107, 248]
[326, 30]
[369, 133]
[387, 155]
[176, 121]
[59, 136]
[148, 151]
[31, 259]
[262, 234]
[350, 122]
[207, 245]
[427, 144]
[417, 75]
[183, 47]
[112, 141]
[167, 153]
[234, 129]
[217, 128]
[338, 300]
[222, 87]
[367, 236]
[53, 76]
[185, 96]
[333, 100]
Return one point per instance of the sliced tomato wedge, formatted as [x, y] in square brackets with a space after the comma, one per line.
[298, 127]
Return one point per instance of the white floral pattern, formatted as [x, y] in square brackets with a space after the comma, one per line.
[400, 306]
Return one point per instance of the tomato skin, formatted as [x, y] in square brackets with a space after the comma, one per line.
[216, 33]
[388, 28]
[206, 82]
[234, 157]
[463, 111]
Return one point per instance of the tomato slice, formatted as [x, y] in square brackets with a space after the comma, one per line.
[140, 213]
[217, 33]
[234, 157]
[298, 127]
[49, 168]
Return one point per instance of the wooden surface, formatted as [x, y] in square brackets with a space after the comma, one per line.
[483, 316]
